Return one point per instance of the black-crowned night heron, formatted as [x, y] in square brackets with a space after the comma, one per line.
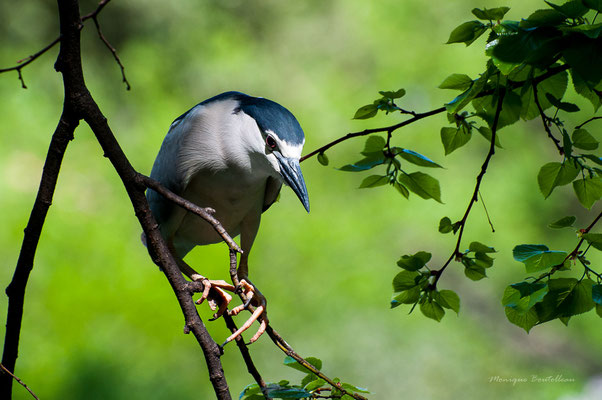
[231, 153]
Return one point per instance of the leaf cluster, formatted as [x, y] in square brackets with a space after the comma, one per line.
[310, 387]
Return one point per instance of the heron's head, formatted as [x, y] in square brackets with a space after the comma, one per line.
[282, 140]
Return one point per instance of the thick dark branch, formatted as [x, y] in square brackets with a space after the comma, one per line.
[6, 371]
[205, 213]
[79, 104]
[475, 195]
[16, 289]
[544, 120]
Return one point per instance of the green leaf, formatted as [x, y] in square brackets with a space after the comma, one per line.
[538, 47]
[445, 225]
[457, 82]
[566, 297]
[448, 299]
[556, 174]
[466, 97]
[475, 272]
[414, 262]
[432, 310]
[588, 190]
[467, 32]
[287, 393]
[483, 260]
[291, 362]
[313, 385]
[486, 133]
[564, 222]
[584, 56]
[555, 85]
[595, 239]
[374, 181]
[524, 295]
[593, 4]
[372, 160]
[571, 9]
[582, 139]
[492, 14]
[568, 107]
[393, 94]
[480, 248]
[542, 18]
[592, 31]
[599, 310]
[524, 320]
[537, 257]
[323, 159]
[511, 109]
[597, 294]
[416, 158]
[405, 280]
[586, 90]
[365, 112]
[402, 189]
[454, 138]
[374, 144]
[250, 390]
[353, 388]
[422, 184]
[409, 296]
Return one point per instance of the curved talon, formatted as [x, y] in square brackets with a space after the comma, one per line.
[247, 324]
[261, 330]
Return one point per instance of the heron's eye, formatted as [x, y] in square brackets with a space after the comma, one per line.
[270, 141]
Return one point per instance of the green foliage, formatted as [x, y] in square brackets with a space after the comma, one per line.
[563, 222]
[377, 151]
[310, 386]
[529, 65]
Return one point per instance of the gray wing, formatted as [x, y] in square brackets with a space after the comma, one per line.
[272, 192]
[165, 171]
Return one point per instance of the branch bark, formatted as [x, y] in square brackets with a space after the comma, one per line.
[79, 104]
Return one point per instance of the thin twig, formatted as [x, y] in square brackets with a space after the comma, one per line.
[589, 120]
[573, 253]
[20, 381]
[456, 253]
[289, 351]
[365, 132]
[205, 213]
[24, 62]
[246, 355]
[114, 52]
[544, 120]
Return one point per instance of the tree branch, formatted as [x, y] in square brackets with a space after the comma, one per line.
[246, 355]
[544, 120]
[6, 371]
[456, 253]
[587, 121]
[205, 213]
[79, 104]
[16, 289]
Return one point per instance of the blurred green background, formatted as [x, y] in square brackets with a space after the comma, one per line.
[100, 320]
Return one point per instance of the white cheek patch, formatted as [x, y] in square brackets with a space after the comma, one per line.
[287, 149]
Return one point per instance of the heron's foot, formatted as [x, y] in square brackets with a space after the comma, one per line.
[215, 292]
[258, 303]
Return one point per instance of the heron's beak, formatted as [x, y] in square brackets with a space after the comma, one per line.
[291, 172]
